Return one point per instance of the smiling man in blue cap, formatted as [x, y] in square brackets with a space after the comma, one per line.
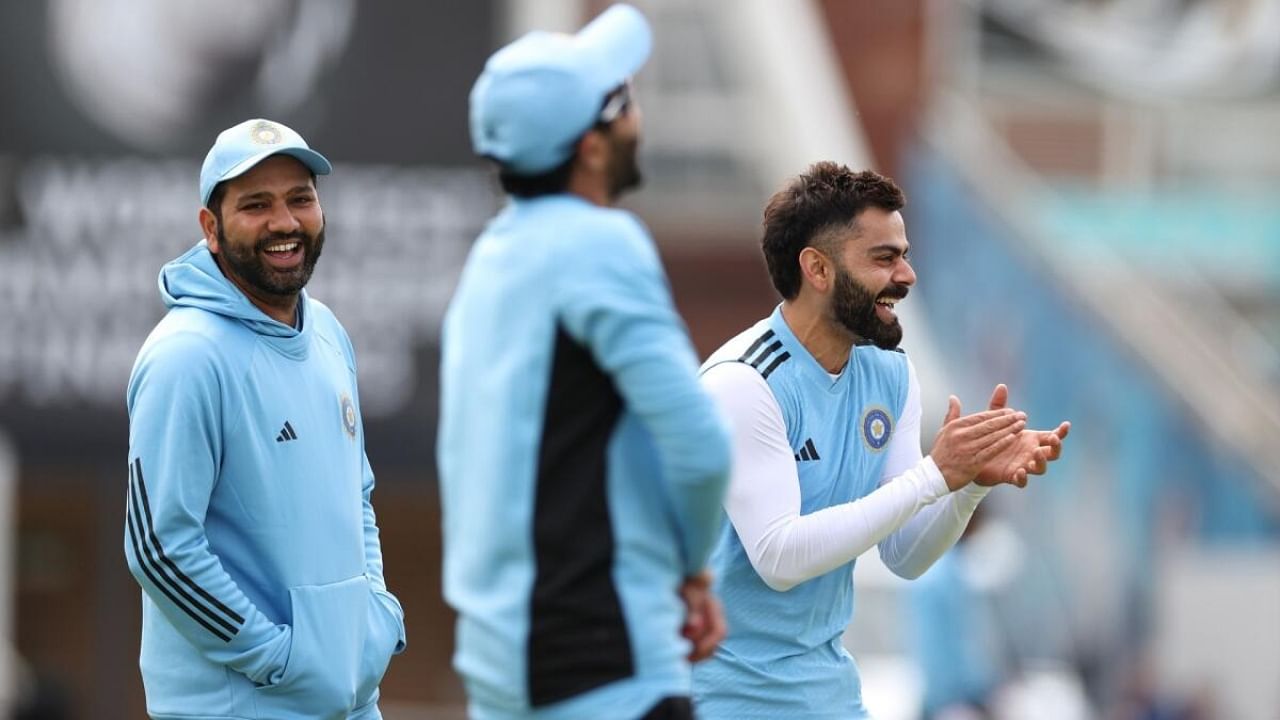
[581, 464]
[248, 522]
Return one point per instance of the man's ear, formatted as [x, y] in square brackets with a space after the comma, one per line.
[593, 151]
[209, 226]
[817, 268]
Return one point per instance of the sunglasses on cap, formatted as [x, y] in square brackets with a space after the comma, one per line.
[615, 104]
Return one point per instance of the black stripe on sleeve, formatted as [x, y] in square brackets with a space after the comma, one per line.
[142, 563]
[813, 451]
[146, 561]
[773, 347]
[149, 526]
[191, 605]
[756, 346]
[774, 365]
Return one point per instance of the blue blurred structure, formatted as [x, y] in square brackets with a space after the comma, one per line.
[1140, 465]
[1227, 233]
[953, 637]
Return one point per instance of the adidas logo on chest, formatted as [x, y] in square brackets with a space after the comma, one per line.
[287, 433]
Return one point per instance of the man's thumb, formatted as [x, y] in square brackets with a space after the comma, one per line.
[953, 409]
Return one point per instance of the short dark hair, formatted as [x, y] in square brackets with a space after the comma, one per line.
[216, 195]
[825, 197]
[551, 182]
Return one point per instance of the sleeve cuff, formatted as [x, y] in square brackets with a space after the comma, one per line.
[938, 484]
[274, 656]
[934, 482]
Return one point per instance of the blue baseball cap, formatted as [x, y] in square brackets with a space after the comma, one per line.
[539, 94]
[239, 148]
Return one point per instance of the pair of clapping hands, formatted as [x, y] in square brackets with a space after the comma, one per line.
[994, 446]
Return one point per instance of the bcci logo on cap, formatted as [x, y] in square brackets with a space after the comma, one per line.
[876, 428]
[264, 133]
[348, 416]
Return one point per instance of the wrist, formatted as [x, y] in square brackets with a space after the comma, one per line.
[700, 579]
[955, 478]
[934, 483]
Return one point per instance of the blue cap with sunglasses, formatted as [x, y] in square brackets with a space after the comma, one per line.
[539, 94]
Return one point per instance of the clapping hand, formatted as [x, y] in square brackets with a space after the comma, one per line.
[1029, 455]
[966, 444]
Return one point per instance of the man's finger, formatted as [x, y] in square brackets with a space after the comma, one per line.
[712, 622]
[969, 421]
[953, 409]
[1039, 462]
[1048, 438]
[693, 624]
[999, 397]
[699, 650]
[1052, 440]
[996, 443]
[999, 423]
[716, 626]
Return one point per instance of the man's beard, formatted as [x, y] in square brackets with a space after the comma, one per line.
[624, 171]
[248, 265]
[855, 308]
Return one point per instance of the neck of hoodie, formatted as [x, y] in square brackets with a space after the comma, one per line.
[193, 280]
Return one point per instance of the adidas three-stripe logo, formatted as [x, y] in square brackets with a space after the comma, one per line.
[807, 452]
[164, 574]
[756, 357]
[286, 433]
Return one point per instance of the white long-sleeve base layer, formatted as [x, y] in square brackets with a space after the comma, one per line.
[911, 515]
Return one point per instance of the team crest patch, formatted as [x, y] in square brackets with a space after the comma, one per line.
[348, 416]
[876, 428]
[264, 133]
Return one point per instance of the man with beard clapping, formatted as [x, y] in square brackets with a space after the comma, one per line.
[824, 411]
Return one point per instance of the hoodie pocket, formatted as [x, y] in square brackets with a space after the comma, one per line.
[322, 674]
[385, 638]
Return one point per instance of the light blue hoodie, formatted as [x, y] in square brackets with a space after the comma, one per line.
[249, 524]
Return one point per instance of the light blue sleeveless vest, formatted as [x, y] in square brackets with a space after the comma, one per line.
[783, 656]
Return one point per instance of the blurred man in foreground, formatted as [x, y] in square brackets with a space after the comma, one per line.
[249, 524]
[824, 412]
[581, 465]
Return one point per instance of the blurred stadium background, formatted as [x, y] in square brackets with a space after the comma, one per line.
[1092, 194]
